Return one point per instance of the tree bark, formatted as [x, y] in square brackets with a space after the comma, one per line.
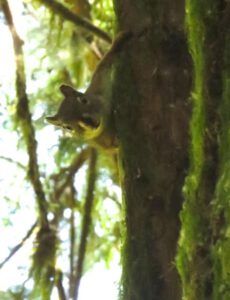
[204, 250]
[151, 108]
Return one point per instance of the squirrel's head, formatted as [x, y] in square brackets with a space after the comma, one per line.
[74, 113]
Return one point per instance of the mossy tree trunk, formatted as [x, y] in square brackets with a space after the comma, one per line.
[204, 252]
[151, 106]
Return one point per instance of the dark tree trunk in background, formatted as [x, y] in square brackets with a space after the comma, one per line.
[151, 96]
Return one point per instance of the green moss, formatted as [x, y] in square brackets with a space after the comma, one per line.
[191, 234]
[44, 258]
[195, 28]
[221, 204]
[195, 228]
[202, 224]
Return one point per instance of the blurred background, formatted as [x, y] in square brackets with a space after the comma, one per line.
[60, 216]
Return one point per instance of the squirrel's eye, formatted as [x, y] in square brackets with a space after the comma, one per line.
[82, 100]
[89, 121]
[68, 128]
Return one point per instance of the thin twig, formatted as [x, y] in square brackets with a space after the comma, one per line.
[19, 245]
[86, 222]
[72, 234]
[60, 288]
[64, 12]
[69, 174]
[24, 117]
[17, 163]
[77, 163]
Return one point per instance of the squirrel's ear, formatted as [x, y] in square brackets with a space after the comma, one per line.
[54, 120]
[66, 90]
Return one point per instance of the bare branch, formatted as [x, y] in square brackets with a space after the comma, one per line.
[64, 12]
[86, 222]
[72, 170]
[10, 160]
[59, 284]
[24, 117]
[72, 236]
[19, 246]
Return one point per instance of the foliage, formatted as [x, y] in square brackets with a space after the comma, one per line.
[74, 193]
[62, 160]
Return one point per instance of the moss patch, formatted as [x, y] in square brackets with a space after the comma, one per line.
[204, 246]
[191, 235]
[221, 203]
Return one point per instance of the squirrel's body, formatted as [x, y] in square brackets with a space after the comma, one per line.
[89, 114]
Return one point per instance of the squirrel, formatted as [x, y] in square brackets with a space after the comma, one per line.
[89, 115]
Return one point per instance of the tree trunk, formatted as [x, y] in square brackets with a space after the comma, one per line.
[204, 252]
[151, 107]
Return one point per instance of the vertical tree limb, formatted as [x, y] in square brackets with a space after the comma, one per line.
[72, 235]
[24, 116]
[59, 284]
[86, 220]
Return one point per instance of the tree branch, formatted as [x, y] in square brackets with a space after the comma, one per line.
[18, 246]
[65, 13]
[10, 160]
[86, 222]
[60, 288]
[24, 117]
[72, 170]
[67, 181]
[72, 237]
